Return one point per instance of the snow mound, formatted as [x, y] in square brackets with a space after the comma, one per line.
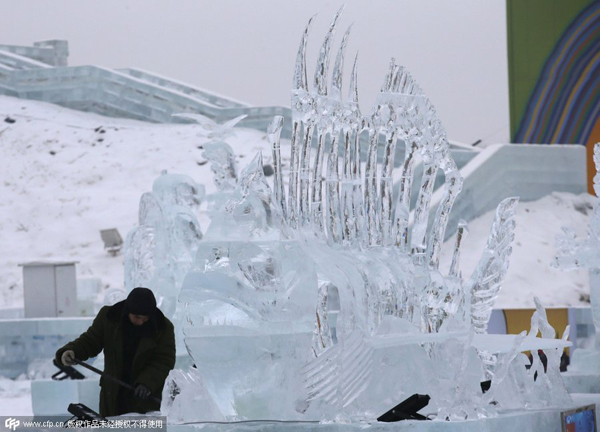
[529, 274]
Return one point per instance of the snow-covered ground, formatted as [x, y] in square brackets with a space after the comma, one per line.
[65, 175]
[15, 397]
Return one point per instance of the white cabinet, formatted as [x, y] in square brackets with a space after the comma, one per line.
[50, 289]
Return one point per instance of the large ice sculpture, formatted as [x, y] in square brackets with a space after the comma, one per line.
[311, 304]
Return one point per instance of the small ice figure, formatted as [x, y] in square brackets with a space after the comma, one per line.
[222, 164]
[213, 130]
[160, 250]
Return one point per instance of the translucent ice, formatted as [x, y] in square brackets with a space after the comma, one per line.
[484, 284]
[182, 393]
[303, 306]
[222, 164]
[574, 253]
[519, 382]
[213, 129]
[160, 250]
[274, 133]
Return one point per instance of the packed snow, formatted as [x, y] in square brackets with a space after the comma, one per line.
[67, 174]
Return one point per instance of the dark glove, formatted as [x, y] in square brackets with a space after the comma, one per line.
[141, 392]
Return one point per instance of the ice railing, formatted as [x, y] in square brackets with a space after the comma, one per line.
[17, 62]
[49, 53]
[114, 93]
[150, 97]
[212, 98]
[54, 53]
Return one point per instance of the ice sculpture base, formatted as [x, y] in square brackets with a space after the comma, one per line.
[404, 367]
[52, 398]
[540, 420]
[27, 340]
[585, 361]
[577, 382]
[583, 375]
[234, 359]
[494, 343]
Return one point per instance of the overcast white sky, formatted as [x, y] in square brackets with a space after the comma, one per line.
[246, 49]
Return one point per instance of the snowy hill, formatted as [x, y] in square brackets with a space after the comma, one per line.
[65, 175]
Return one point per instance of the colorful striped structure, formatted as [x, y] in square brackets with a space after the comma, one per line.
[565, 104]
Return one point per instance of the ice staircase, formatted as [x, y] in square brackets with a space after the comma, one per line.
[40, 73]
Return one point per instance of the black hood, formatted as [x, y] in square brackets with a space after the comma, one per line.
[119, 312]
[141, 301]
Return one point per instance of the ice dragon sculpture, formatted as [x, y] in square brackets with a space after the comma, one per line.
[311, 304]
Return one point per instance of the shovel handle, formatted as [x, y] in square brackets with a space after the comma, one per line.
[112, 378]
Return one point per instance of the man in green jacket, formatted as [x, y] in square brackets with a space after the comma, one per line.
[139, 349]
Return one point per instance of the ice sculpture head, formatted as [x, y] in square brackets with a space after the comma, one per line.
[178, 189]
[247, 269]
[249, 212]
[222, 164]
